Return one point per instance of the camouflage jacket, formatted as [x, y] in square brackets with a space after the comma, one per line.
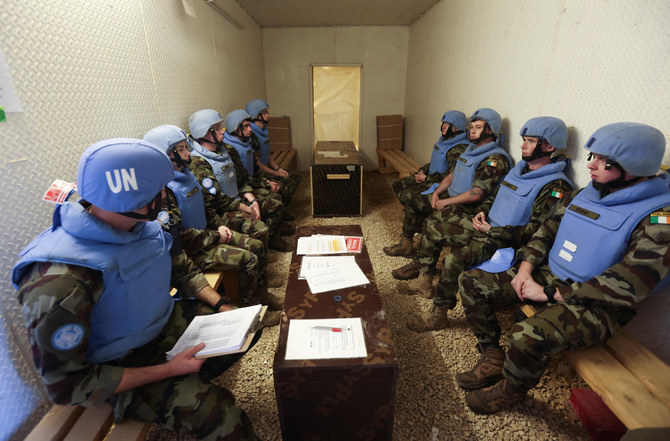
[186, 276]
[646, 261]
[215, 204]
[452, 157]
[52, 295]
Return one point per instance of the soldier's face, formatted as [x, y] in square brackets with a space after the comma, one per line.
[218, 130]
[528, 146]
[600, 171]
[477, 129]
[445, 128]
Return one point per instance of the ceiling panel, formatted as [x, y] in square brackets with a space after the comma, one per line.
[274, 13]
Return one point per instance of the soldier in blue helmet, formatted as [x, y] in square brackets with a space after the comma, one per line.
[94, 290]
[231, 196]
[477, 173]
[288, 182]
[202, 249]
[504, 221]
[602, 251]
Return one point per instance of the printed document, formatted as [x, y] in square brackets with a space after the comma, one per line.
[318, 339]
[320, 244]
[223, 332]
[323, 276]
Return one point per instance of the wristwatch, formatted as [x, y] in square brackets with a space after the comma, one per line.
[549, 291]
[220, 303]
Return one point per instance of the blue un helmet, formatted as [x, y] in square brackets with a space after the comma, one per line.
[548, 128]
[234, 119]
[166, 137]
[255, 107]
[455, 118]
[637, 148]
[490, 117]
[123, 175]
[202, 121]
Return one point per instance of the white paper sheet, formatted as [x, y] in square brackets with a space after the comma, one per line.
[344, 275]
[315, 263]
[321, 245]
[221, 332]
[318, 339]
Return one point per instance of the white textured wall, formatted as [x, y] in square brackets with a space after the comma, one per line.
[289, 52]
[86, 71]
[590, 63]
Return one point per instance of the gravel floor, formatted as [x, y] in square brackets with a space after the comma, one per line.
[429, 404]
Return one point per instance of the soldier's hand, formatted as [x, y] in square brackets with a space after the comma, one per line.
[183, 363]
[256, 210]
[533, 291]
[281, 172]
[225, 233]
[433, 200]
[518, 281]
[478, 220]
[419, 177]
[274, 187]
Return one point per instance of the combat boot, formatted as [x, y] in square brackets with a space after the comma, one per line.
[279, 244]
[494, 398]
[422, 286]
[406, 272]
[404, 248]
[271, 318]
[488, 370]
[432, 320]
[286, 229]
[267, 298]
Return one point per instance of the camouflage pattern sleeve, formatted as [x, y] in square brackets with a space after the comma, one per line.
[424, 168]
[490, 172]
[545, 202]
[645, 263]
[536, 250]
[244, 180]
[186, 276]
[56, 299]
[219, 201]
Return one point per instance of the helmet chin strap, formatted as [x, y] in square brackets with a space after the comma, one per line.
[619, 182]
[537, 152]
[238, 134]
[154, 208]
[483, 135]
[207, 141]
[179, 161]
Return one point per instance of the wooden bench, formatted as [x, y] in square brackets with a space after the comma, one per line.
[281, 150]
[632, 381]
[76, 423]
[390, 139]
[391, 160]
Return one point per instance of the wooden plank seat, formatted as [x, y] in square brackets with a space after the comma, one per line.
[632, 381]
[77, 423]
[229, 280]
[283, 157]
[398, 161]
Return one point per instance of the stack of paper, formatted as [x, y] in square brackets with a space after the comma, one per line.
[223, 332]
[328, 273]
[326, 244]
[315, 339]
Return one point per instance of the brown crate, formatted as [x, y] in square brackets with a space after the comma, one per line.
[274, 146]
[389, 132]
[389, 120]
[389, 143]
[280, 121]
[279, 134]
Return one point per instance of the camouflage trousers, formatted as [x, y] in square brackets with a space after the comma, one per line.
[272, 209]
[417, 209]
[451, 227]
[406, 188]
[188, 402]
[241, 222]
[554, 328]
[240, 253]
[480, 249]
[287, 186]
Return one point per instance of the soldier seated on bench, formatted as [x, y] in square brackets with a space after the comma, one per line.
[95, 294]
[477, 173]
[506, 220]
[601, 252]
[265, 166]
[409, 189]
[196, 248]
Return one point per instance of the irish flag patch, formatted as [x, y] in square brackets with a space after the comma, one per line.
[660, 217]
[557, 193]
[492, 162]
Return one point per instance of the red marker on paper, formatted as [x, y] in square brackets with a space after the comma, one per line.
[328, 328]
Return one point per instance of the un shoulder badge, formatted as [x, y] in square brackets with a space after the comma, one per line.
[207, 182]
[67, 337]
[212, 190]
[163, 217]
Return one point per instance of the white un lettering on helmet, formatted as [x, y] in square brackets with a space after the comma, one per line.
[123, 179]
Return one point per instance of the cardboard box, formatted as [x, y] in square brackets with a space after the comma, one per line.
[389, 120]
[280, 122]
[389, 132]
[336, 176]
[386, 144]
